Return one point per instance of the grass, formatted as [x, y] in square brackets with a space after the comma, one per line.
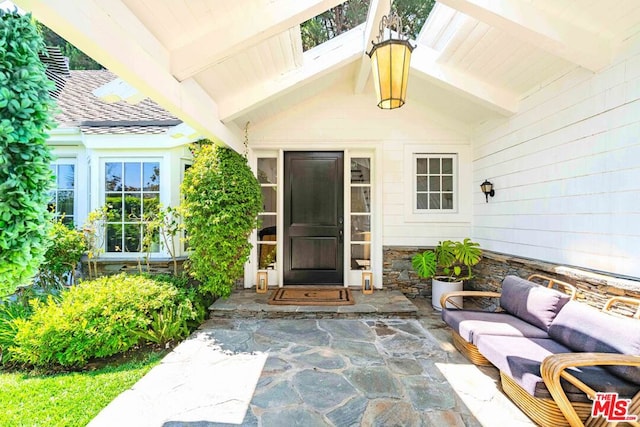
[67, 399]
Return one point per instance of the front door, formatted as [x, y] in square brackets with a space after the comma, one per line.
[313, 218]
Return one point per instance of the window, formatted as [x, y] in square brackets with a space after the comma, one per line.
[268, 218]
[132, 192]
[62, 202]
[185, 244]
[435, 176]
[360, 187]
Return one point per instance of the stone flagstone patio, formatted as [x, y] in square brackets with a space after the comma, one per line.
[366, 371]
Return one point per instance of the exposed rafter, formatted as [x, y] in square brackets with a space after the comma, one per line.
[424, 65]
[318, 61]
[541, 29]
[242, 31]
[377, 9]
[117, 40]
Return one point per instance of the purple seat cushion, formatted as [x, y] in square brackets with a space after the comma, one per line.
[520, 358]
[471, 324]
[586, 329]
[531, 302]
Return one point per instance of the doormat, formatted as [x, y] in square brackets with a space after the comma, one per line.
[311, 296]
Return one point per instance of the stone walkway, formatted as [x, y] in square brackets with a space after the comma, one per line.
[344, 372]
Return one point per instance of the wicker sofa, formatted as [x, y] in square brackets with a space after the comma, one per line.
[553, 352]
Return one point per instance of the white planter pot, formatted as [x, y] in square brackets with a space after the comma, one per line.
[439, 287]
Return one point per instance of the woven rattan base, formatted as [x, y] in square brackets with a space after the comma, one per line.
[469, 350]
[544, 412]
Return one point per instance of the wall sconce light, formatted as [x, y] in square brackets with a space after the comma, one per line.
[367, 282]
[390, 60]
[263, 282]
[487, 189]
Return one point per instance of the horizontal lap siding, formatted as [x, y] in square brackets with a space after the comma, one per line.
[566, 170]
[335, 119]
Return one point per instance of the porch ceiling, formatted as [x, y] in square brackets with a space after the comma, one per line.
[217, 64]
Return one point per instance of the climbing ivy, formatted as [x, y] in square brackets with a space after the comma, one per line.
[222, 199]
[25, 175]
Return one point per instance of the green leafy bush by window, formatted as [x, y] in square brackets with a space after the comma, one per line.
[62, 257]
[25, 176]
[222, 199]
[99, 318]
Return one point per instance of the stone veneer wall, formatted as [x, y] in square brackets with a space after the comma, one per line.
[593, 288]
[110, 266]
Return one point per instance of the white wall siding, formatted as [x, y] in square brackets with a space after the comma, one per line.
[337, 120]
[566, 171]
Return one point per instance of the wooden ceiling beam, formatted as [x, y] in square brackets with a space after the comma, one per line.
[319, 61]
[424, 65]
[377, 9]
[250, 27]
[109, 33]
[541, 29]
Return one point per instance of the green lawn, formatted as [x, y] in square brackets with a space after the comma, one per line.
[69, 399]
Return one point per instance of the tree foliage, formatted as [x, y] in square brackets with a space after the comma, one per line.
[77, 59]
[352, 13]
[25, 174]
[222, 199]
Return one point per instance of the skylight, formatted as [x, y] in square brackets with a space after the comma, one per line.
[352, 13]
[333, 22]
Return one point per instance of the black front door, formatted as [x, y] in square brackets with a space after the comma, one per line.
[313, 218]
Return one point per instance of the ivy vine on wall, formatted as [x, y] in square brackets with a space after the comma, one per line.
[25, 175]
[222, 199]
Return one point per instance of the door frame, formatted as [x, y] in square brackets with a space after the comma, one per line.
[351, 277]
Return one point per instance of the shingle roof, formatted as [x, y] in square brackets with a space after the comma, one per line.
[79, 107]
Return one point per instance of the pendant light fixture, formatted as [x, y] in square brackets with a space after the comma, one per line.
[390, 59]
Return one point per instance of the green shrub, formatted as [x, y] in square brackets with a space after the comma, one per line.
[167, 324]
[193, 304]
[222, 199]
[97, 318]
[25, 175]
[9, 312]
[62, 257]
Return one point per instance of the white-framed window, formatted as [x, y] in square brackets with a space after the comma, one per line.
[268, 217]
[63, 195]
[360, 212]
[132, 192]
[435, 183]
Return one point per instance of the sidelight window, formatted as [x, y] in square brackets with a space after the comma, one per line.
[268, 218]
[360, 188]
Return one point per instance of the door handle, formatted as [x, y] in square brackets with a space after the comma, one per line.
[340, 235]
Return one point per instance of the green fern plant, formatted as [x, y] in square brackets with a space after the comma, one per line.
[167, 324]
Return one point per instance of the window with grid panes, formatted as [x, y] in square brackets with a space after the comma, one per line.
[132, 192]
[435, 182]
[62, 202]
[360, 211]
[268, 218]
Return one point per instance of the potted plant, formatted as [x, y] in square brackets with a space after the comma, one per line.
[444, 265]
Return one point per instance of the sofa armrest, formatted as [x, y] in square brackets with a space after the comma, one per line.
[484, 294]
[556, 366]
[565, 287]
[627, 301]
